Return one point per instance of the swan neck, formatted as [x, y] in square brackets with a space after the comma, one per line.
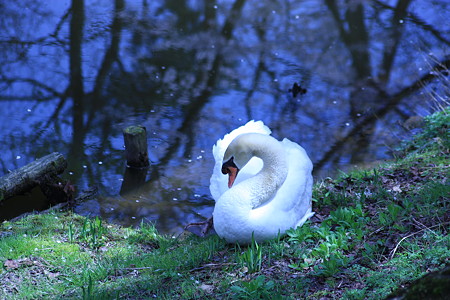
[266, 183]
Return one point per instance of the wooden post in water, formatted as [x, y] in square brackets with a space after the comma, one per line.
[135, 138]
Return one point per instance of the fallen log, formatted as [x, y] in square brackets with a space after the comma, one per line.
[35, 173]
[85, 195]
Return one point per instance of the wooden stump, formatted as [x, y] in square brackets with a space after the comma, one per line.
[23, 179]
[135, 138]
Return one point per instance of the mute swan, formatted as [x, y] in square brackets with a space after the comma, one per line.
[268, 189]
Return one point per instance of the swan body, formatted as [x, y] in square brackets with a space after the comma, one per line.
[268, 188]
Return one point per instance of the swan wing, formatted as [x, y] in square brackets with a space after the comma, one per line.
[219, 181]
[291, 205]
[294, 196]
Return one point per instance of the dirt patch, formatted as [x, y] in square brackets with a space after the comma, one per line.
[30, 269]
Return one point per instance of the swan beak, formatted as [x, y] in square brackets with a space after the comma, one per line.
[232, 176]
[232, 170]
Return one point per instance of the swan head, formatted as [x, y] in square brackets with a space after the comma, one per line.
[237, 155]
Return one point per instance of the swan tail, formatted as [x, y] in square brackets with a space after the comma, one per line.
[309, 213]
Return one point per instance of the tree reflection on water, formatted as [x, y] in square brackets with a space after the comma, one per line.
[73, 75]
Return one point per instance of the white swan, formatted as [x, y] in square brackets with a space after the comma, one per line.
[268, 189]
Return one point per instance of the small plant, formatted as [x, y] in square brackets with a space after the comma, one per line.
[89, 292]
[300, 234]
[331, 265]
[372, 252]
[348, 217]
[305, 263]
[392, 214]
[323, 231]
[435, 135]
[327, 256]
[92, 232]
[437, 125]
[276, 247]
[394, 210]
[71, 232]
[324, 250]
[88, 289]
[384, 219]
[338, 238]
[342, 216]
[376, 179]
[252, 257]
[148, 234]
[212, 244]
[258, 288]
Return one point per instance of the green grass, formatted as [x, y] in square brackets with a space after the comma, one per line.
[374, 230]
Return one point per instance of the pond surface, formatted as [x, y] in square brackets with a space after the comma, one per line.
[74, 74]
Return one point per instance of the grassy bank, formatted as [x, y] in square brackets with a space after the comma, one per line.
[374, 231]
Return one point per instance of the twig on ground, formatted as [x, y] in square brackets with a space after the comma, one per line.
[410, 235]
[212, 266]
[135, 269]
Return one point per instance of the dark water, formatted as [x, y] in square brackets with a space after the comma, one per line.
[73, 74]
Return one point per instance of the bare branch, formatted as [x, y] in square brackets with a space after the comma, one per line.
[35, 83]
[394, 100]
[418, 21]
